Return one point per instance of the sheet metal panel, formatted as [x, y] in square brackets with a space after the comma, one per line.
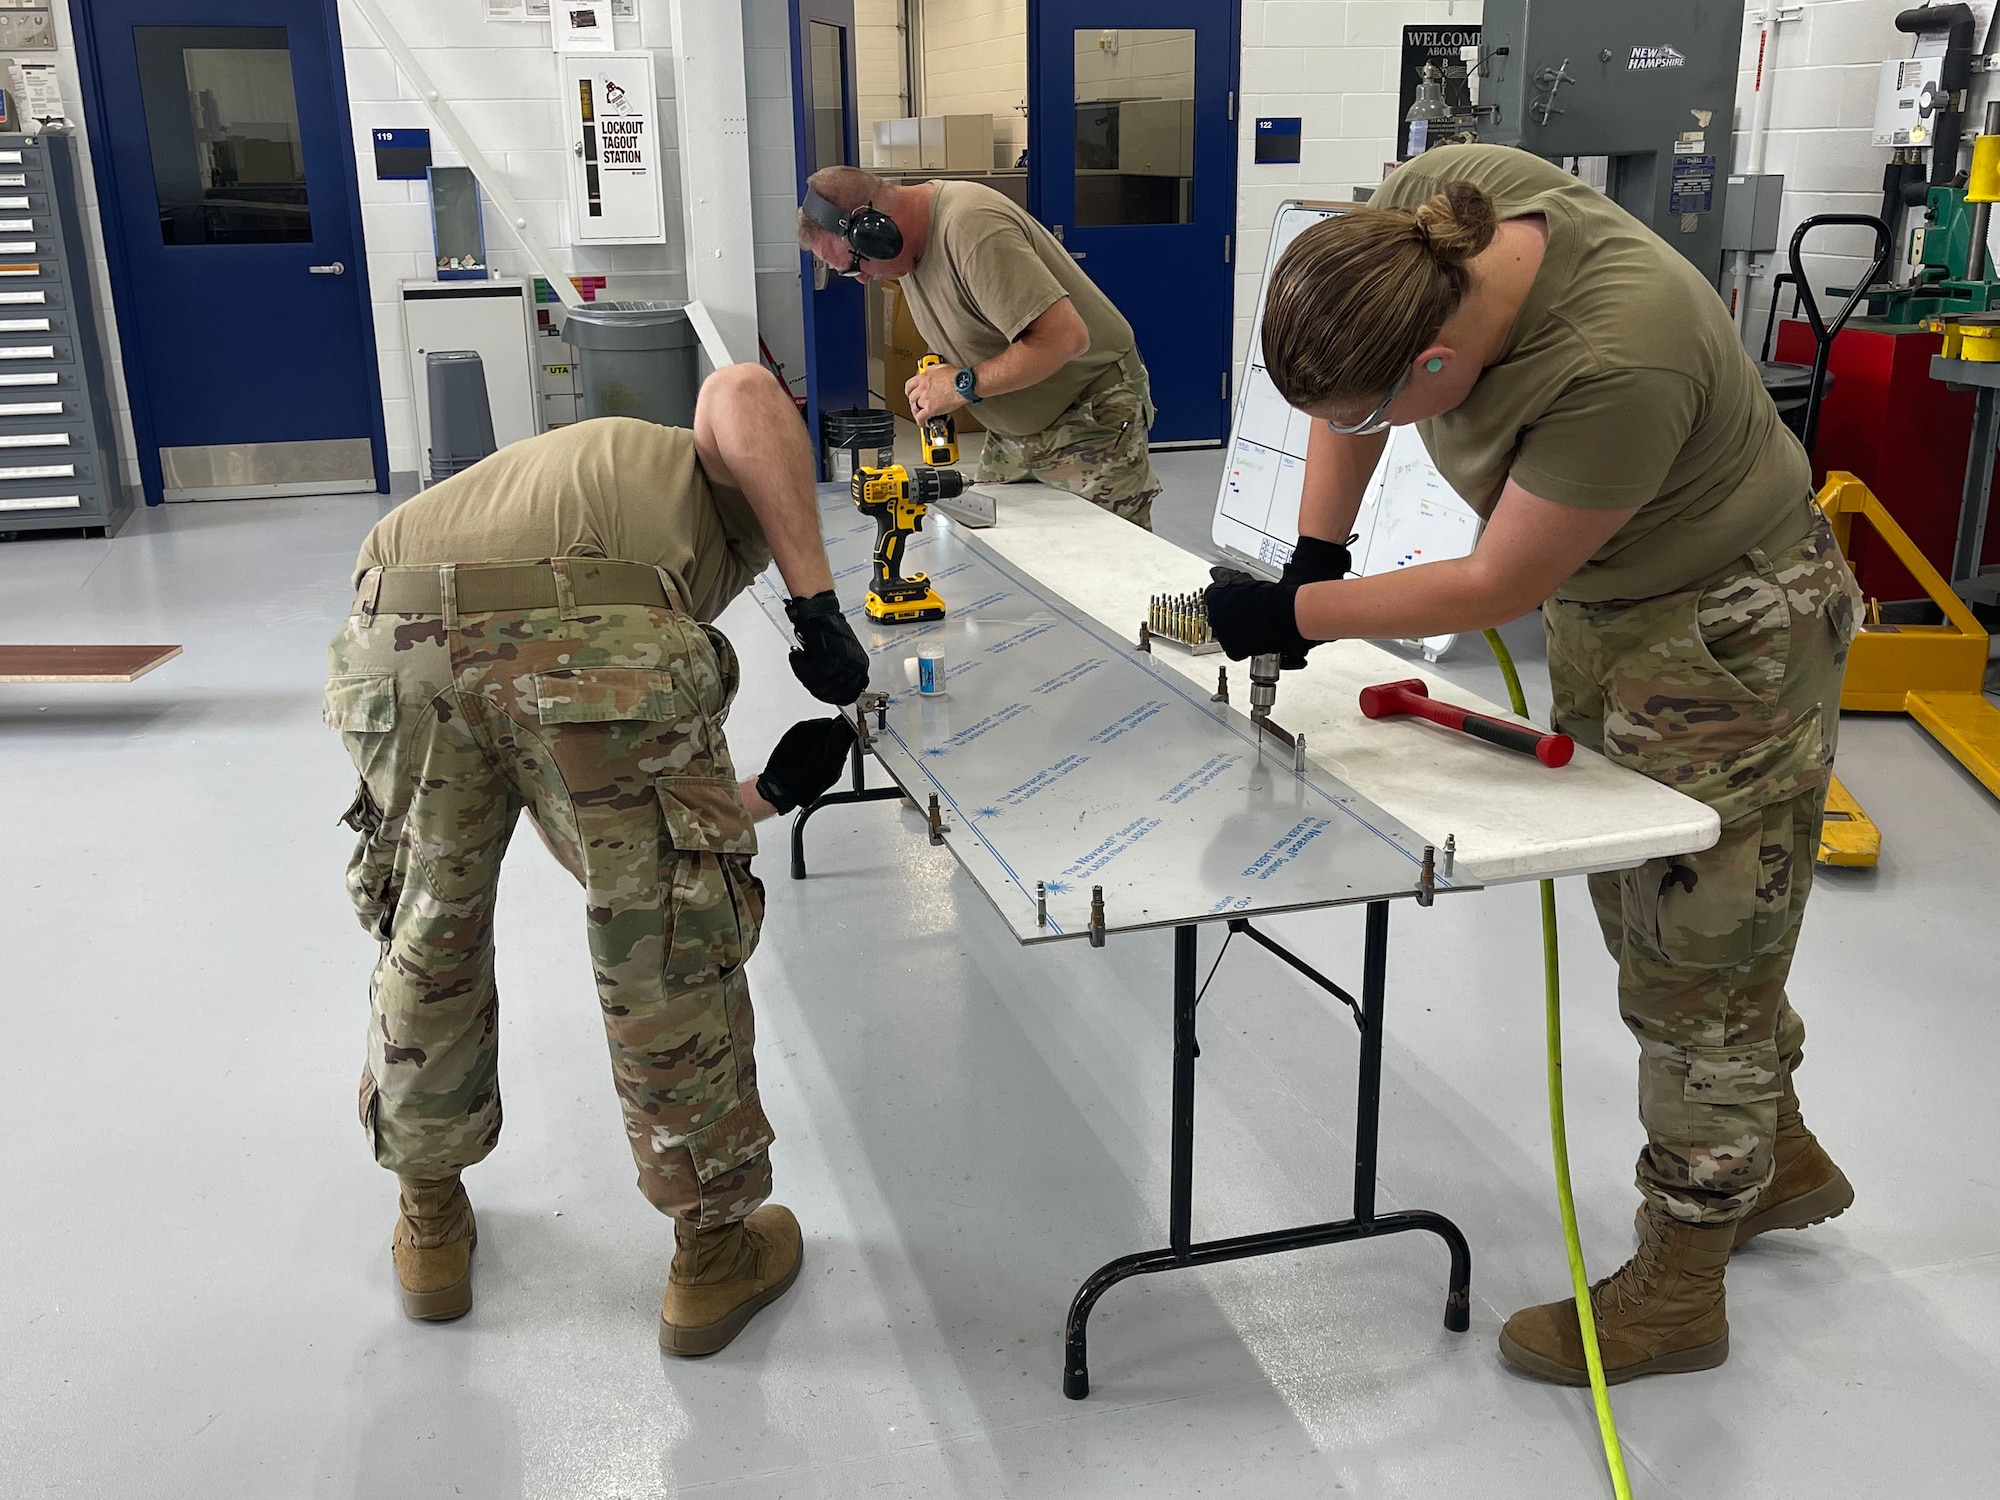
[1062, 754]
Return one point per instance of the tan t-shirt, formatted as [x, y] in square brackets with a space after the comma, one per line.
[989, 270]
[614, 487]
[1623, 384]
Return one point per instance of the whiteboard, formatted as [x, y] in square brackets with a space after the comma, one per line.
[1408, 514]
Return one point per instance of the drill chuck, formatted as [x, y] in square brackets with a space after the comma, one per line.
[1263, 685]
[928, 484]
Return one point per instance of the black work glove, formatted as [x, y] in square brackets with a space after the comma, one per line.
[829, 661]
[1315, 560]
[1252, 618]
[808, 760]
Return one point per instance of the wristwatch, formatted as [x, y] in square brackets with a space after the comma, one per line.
[964, 383]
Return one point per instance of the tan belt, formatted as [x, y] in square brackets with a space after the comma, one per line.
[1127, 367]
[564, 583]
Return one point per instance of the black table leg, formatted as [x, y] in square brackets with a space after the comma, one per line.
[1365, 1224]
[860, 791]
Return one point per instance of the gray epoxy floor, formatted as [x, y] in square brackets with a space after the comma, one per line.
[195, 1290]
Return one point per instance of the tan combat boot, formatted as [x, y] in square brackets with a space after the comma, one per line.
[1806, 1189]
[1662, 1313]
[722, 1276]
[432, 1248]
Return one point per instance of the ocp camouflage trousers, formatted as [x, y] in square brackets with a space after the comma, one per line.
[1730, 694]
[1097, 449]
[605, 723]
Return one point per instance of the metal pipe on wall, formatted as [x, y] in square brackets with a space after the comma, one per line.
[1768, 18]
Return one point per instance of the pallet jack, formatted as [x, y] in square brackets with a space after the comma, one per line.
[1934, 673]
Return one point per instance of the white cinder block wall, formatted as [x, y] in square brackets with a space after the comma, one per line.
[501, 78]
[1333, 64]
[976, 63]
[881, 85]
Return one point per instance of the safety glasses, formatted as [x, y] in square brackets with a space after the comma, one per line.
[1378, 419]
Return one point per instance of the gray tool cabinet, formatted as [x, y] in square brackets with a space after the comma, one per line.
[59, 466]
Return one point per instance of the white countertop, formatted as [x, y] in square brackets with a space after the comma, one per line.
[1514, 818]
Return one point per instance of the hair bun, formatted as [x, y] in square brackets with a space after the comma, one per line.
[1456, 224]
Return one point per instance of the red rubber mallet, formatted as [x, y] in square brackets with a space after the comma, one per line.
[1412, 697]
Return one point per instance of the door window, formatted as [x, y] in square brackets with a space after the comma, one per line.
[1134, 127]
[223, 126]
[829, 97]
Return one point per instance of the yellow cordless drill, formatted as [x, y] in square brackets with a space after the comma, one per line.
[897, 498]
[940, 433]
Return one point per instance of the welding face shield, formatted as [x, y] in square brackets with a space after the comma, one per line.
[868, 233]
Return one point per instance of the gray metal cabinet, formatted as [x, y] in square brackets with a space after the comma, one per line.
[59, 463]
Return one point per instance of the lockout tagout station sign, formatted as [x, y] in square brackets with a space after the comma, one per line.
[614, 139]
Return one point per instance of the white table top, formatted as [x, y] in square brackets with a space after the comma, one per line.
[1514, 818]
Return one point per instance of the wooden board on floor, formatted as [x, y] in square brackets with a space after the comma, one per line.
[81, 663]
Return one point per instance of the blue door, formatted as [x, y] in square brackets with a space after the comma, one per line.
[825, 134]
[1132, 164]
[225, 169]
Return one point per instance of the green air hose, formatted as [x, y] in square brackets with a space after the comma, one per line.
[1607, 1424]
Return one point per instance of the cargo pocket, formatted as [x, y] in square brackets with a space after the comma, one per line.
[363, 703]
[1722, 906]
[730, 1161]
[716, 904]
[373, 879]
[706, 813]
[597, 695]
[1729, 1076]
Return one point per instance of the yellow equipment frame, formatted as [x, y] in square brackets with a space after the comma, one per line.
[1934, 673]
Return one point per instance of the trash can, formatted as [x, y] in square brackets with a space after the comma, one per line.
[461, 415]
[635, 359]
[855, 437]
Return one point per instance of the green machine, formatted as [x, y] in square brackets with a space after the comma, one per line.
[1950, 272]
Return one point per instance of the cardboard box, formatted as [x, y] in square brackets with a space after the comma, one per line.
[902, 347]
